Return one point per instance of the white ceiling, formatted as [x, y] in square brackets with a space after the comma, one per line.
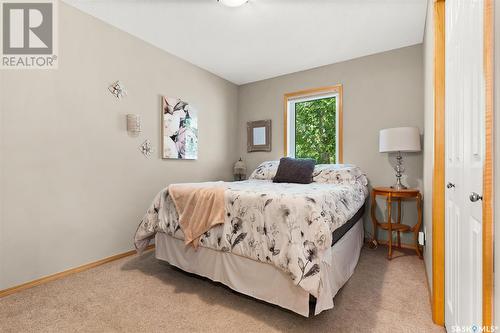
[265, 38]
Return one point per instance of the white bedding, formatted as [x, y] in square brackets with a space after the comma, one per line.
[289, 226]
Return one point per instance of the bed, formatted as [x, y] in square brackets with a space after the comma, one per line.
[282, 243]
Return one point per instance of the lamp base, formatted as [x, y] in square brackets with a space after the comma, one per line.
[399, 170]
[399, 187]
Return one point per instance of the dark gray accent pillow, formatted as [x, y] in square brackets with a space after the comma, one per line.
[292, 170]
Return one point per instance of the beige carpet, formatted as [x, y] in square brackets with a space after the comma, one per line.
[141, 294]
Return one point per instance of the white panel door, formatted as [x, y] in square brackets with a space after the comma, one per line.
[464, 110]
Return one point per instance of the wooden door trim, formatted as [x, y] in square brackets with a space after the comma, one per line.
[488, 168]
[340, 117]
[438, 179]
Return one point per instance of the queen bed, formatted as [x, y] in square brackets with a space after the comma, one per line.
[282, 243]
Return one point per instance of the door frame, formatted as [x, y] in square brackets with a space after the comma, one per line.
[438, 181]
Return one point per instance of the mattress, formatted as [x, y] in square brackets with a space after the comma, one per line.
[342, 230]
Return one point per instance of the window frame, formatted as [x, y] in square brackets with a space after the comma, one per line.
[290, 99]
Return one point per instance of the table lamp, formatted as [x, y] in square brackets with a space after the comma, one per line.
[399, 140]
[239, 170]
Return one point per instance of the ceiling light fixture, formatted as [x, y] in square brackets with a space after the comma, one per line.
[232, 3]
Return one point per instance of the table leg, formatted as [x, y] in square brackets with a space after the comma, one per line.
[374, 219]
[399, 222]
[389, 234]
[419, 223]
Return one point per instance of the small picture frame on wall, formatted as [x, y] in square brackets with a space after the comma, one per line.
[259, 135]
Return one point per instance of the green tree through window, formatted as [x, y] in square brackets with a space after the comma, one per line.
[315, 130]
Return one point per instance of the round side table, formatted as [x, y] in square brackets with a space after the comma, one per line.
[393, 195]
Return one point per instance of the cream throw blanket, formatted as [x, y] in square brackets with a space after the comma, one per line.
[200, 207]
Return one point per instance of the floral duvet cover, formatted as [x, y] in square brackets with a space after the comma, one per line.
[286, 225]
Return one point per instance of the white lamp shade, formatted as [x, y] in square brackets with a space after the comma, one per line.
[404, 139]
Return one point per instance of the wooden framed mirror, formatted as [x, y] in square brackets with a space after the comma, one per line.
[259, 135]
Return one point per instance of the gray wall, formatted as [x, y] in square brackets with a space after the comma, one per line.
[428, 151]
[73, 184]
[380, 91]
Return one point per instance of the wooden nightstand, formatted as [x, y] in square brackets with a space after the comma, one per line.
[397, 196]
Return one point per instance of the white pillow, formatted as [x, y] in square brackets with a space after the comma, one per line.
[265, 171]
[339, 174]
[323, 173]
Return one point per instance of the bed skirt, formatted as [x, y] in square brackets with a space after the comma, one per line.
[264, 281]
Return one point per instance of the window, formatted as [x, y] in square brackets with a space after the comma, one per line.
[313, 124]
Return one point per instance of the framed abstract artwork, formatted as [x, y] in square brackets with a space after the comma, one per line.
[179, 129]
